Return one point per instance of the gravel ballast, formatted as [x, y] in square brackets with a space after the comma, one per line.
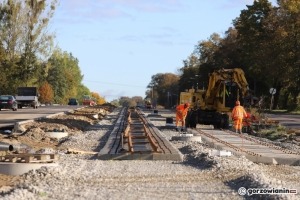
[199, 176]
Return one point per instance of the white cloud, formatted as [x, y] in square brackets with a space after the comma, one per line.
[92, 10]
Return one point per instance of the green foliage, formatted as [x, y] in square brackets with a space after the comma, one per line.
[115, 102]
[65, 76]
[273, 133]
[127, 102]
[189, 78]
[264, 42]
[163, 89]
[27, 57]
[25, 41]
[138, 99]
[281, 128]
[81, 91]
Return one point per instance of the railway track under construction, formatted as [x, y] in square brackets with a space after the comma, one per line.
[252, 148]
[134, 137]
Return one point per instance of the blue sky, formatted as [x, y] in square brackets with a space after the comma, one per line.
[120, 44]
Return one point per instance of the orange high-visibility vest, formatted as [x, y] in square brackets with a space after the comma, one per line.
[181, 111]
[238, 112]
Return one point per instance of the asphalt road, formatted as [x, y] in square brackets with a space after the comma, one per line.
[8, 117]
[288, 120]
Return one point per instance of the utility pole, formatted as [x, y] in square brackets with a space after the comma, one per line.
[151, 93]
[272, 92]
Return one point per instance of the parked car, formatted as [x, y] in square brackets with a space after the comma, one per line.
[88, 101]
[73, 102]
[8, 102]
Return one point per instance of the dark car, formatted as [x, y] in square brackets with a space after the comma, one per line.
[8, 102]
[73, 102]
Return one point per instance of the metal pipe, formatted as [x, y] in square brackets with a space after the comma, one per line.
[21, 148]
[6, 147]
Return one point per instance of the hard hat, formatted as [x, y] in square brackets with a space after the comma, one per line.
[237, 103]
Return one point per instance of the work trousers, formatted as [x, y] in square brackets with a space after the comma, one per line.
[180, 118]
[238, 124]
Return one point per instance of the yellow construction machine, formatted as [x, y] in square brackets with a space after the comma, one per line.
[213, 105]
[148, 103]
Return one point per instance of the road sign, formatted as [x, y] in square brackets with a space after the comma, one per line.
[272, 91]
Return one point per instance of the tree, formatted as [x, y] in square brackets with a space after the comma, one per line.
[127, 102]
[26, 51]
[286, 20]
[64, 75]
[5, 79]
[206, 51]
[269, 37]
[10, 37]
[166, 87]
[99, 100]
[46, 93]
[188, 78]
[227, 55]
[25, 37]
[37, 41]
[82, 90]
[115, 102]
[255, 42]
[264, 42]
[138, 99]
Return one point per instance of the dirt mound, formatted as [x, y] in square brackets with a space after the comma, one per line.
[35, 138]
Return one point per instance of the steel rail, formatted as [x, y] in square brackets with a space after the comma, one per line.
[119, 133]
[135, 119]
[160, 142]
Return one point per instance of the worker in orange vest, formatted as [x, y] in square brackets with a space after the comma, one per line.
[181, 112]
[237, 115]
